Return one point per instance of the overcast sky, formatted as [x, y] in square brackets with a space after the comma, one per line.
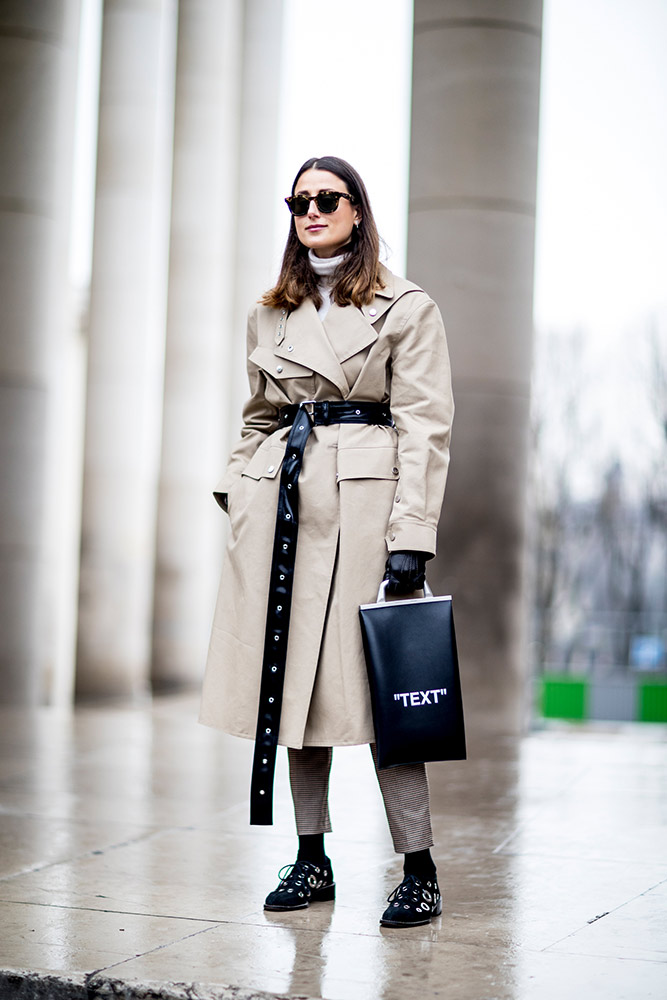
[602, 208]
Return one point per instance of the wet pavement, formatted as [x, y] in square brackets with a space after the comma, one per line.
[127, 867]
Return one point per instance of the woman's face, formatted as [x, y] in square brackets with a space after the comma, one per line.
[325, 234]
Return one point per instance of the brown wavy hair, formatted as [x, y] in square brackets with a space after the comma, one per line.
[357, 278]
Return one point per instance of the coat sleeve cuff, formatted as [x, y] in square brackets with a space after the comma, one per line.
[411, 536]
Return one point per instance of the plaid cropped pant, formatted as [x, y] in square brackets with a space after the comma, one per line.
[404, 791]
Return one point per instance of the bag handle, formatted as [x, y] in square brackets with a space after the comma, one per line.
[382, 592]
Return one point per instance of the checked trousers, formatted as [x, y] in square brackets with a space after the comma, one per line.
[404, 791]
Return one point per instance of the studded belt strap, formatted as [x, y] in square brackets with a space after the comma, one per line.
[303, 417]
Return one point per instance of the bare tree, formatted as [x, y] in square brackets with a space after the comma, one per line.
[657, 490]
[599, 553]
[557, 435]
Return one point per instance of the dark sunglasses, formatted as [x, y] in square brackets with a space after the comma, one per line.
[326, 201]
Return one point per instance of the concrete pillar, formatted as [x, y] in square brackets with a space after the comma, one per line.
[199, 335]
[67, 401]
[126, 348]
[258, 158]
[470, 243]
[37, 72]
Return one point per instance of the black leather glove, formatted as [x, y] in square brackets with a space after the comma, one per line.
[406, 572]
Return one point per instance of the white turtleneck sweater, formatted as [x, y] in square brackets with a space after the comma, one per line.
[324, 268]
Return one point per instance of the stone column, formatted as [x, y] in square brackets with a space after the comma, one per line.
[470, 244]
[258, 156]
[199, 335]
[37, 72]
[126, 349]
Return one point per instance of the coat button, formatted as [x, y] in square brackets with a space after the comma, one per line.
[271, 468]
[392, 537]
[279, 369]
[395, 471]
[372, 312]
[290, 347]
[397, 500]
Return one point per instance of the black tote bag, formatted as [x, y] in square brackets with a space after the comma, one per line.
[413, 672]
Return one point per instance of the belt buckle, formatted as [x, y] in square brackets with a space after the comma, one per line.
[309, 406]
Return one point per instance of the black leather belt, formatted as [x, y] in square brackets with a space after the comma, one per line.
[303, 417]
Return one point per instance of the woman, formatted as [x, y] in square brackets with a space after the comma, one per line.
[344, 449]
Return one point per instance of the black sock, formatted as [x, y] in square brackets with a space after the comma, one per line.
[419, 863]
[311, 848]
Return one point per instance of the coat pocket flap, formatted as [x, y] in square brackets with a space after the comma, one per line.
[367, 463]
[265, 463]
[277, 367]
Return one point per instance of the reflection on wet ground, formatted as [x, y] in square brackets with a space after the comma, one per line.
[124, 847]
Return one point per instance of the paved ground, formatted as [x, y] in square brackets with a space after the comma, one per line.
[127, 868]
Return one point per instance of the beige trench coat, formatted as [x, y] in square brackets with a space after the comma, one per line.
[364, 490]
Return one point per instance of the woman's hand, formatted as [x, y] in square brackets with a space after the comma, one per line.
[406, 572]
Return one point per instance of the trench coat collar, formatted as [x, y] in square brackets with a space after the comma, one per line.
[394, 288]
[384, 297]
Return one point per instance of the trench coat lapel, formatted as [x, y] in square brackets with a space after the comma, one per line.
[348, 331]
[306, 343]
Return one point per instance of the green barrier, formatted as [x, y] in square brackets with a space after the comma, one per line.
[564, 696]
[652, 702]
